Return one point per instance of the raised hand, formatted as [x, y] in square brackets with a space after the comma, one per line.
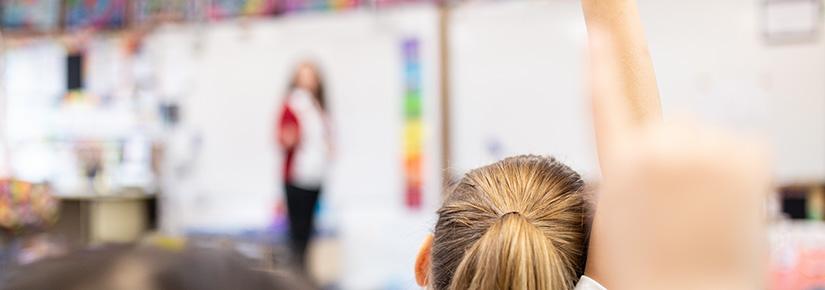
[680, 206]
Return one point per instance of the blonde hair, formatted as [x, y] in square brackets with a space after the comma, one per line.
[514, 224]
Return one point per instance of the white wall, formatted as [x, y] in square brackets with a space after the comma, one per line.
[710, 57]
[517, 79]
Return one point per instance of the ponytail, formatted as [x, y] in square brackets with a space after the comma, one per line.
[515, 224]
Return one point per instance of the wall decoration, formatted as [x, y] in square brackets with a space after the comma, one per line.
[176, 10]
[103, 14]
[344, 4]
[791, 21]
[413, 127]
[45, 15]
[260, 7]
[30, 15]
[223, 9]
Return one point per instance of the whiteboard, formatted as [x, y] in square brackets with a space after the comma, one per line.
[517, 81]
[516, 77]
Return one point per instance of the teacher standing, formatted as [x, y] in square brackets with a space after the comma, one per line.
[303, 133]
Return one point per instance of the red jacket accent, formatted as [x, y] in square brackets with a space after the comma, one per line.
[288, 120]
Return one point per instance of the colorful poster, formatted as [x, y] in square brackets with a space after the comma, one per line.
[223, 9]
[95, 13]
[260, 7]
[30, 15]
[145, 10]
[413, 124]
[320, 5]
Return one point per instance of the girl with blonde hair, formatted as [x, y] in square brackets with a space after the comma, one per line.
[669, 214]
[515, 224]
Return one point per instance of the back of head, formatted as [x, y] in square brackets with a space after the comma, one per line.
[514, 224]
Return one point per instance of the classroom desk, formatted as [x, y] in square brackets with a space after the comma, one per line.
[103, 218]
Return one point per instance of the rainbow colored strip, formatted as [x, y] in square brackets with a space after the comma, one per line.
[223, 9]
[413, 124]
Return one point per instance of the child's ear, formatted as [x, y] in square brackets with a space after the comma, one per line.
[422, 262]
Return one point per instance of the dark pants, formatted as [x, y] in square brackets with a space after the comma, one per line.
[300, 203]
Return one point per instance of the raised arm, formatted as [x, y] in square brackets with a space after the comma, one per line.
[621, 64]
[681, 205]
[620, 19]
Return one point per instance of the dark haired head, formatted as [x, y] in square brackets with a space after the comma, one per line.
[130, 268]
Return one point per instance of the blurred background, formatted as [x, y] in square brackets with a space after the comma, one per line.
[127, 119]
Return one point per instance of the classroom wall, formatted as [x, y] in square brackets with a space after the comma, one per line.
[711, 58]
[234, 76]
[516, 77]
[516, 88]
[517, 81]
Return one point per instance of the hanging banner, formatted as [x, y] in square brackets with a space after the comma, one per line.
[413, 127]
